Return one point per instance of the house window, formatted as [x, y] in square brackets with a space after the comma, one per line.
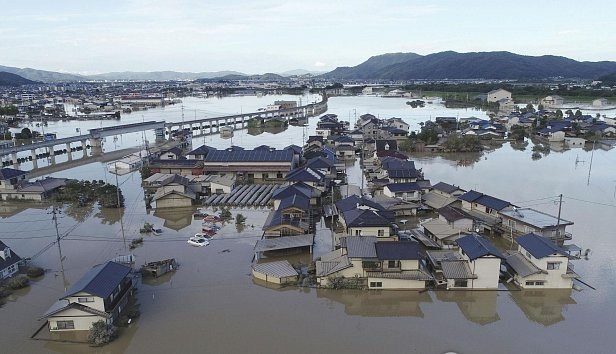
[357, 232]
[460, 283]
[265, 176]
[85, 299]
[535, 283]
[65, 324]
[393, 264]
[553, 265]
[279, 175]
[376, 284]
[381, 233]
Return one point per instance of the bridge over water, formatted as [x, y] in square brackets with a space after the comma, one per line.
[162, 128]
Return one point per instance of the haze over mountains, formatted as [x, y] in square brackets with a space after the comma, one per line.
[392, 66]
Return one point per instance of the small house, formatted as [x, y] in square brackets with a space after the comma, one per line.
[101, 294]
[540, 263]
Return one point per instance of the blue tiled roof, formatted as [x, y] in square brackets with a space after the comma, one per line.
[403, 187]
[296, 149]
[8, 173]
[297, 200]
[403, 173]
[292, 190]
[201, 150]
[319, 162]
[344, 139]
[484, 199]
[539, 246]
[475, 246]
[101, 280]
[364, 218]
[396, 163]
[304, 174]
[249, 155]
[397, 250]
[351, 202]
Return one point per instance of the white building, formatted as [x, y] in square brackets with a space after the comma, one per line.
[101, 294]
[540, 263]
[497, 95]
[484, 261]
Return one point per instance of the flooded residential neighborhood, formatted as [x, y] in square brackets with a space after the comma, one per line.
[213, 303]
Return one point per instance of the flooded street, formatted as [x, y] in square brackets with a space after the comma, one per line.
[211, 304]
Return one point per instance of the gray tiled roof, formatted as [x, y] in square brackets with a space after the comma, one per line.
[457, 270]
[360, 246]
[521, 265]
[416, 274]
[278, 269]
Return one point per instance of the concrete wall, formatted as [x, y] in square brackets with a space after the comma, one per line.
[487, 270]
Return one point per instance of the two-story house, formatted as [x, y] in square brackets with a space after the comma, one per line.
[540, 263]
[397, 266]
[520, 221]
[101, 294]
[484, 208]
[484, 261]
[292, 217]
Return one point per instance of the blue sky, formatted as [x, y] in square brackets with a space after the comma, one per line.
[91, 37]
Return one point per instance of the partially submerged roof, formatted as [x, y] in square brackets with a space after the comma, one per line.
[539, 246]
[100, 281]
[475, 246]
[285, 242]
[279, 269]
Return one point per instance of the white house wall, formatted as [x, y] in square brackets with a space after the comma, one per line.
[487, 270]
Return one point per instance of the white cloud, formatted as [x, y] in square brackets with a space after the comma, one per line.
[319, 64]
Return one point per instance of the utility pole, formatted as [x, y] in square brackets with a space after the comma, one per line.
[54, 217]
[560, 204]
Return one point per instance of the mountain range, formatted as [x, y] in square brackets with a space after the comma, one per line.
[10, 79]
[475, 65]
[391, 66]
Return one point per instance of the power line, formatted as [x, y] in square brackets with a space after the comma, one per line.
[591, 202]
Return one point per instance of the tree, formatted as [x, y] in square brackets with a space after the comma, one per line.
[578, 113]
[559, 114]
[101, 333]
[25, 134]
[530, 108]
[240, 219]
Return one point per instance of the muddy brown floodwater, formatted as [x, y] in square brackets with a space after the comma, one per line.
[211, 303]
